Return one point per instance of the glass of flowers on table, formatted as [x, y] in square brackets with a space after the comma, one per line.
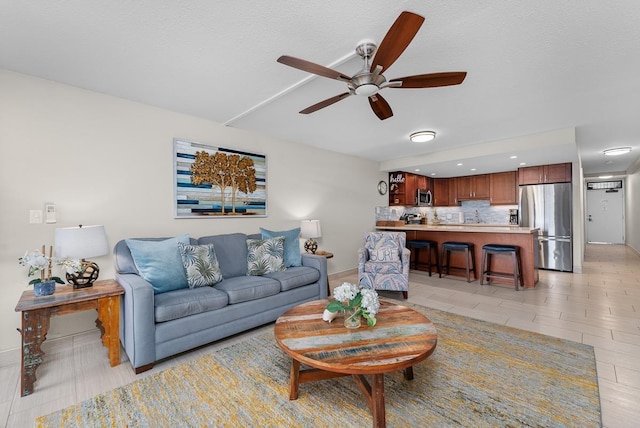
[356, 303]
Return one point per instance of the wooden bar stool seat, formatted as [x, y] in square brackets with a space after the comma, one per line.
[469, 256]
[432, 250]
[513, 251]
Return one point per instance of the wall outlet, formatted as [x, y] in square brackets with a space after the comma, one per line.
[35, 216]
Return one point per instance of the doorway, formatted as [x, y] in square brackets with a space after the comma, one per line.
[605, 212]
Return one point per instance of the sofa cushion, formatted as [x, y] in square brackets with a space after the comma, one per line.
[383, 268]
[295, 277]
[200, 264]
[245, 288]
[159, 262]
[182, 303]
[292, 256]
[265, 255]
[231, 253]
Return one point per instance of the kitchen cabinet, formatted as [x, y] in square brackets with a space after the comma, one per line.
[422, 182]
[503, 188]
[441, 192]
[403, 187]
[473, 187]
[453, 191]
[542, 174]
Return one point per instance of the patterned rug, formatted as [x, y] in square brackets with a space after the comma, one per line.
[480, 375]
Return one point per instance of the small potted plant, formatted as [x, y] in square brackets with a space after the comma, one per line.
[38, 263]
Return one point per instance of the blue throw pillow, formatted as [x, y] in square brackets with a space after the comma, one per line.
[292, 255]
[160, 263]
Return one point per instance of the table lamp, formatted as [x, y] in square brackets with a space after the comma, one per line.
[81, 243]
[310, 229]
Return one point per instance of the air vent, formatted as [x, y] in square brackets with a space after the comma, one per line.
[607, 185]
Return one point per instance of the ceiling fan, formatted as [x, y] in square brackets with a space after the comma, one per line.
[369, 81]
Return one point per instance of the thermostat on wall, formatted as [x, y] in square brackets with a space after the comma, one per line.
[50, 213]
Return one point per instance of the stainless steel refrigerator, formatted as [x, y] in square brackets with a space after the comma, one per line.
[548, 207]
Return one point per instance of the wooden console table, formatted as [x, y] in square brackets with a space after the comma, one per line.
[103, 296]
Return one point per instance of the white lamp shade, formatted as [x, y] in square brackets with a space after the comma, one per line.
[81, 242]
[310, 229]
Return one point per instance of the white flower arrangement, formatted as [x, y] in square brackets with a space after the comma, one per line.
[349, 296]
[37, 262]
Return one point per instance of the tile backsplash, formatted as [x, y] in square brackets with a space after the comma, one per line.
[467, 212]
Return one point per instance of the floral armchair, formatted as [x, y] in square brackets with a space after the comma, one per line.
[383, 262]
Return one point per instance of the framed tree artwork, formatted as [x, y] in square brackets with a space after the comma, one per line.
[218, 182]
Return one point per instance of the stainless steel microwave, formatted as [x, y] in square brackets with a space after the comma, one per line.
[424, 198]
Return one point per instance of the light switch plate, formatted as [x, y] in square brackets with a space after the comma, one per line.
[35, 216]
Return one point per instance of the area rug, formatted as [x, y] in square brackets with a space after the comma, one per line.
[480, 375]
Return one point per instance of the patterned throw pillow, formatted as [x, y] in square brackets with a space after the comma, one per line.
[265, 255]
[292, 255]
[200, 264]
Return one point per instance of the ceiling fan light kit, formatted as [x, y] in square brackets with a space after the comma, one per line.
[617, 151]
[369, 80]
[422, 136]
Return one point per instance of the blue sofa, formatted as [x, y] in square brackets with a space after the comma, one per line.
[157, 326]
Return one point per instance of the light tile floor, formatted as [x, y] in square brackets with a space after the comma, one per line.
[599, 307]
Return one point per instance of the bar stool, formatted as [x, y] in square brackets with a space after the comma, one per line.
[432, 249]
[489, 250]
[469, 255]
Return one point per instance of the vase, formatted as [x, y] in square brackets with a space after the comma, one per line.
[352, 318]
[44, 288]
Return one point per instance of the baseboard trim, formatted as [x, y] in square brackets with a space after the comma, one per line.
[337, 275]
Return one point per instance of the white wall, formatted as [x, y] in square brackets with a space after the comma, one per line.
[104, 160]
[632, 210]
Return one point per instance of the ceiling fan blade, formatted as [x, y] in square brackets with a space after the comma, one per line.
[431, 80]
[311, 67]
[397, 39]
[380, 107]
[325, 103]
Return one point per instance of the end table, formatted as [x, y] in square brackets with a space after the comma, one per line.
[103, 296]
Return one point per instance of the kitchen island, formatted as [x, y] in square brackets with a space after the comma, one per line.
[480, 234]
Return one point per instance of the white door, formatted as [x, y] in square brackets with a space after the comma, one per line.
[605, 216]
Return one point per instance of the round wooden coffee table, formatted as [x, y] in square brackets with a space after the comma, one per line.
[401, 338]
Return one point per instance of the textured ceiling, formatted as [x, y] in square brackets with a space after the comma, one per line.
[533, 68]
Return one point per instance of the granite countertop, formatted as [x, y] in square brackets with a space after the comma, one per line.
[477, 228]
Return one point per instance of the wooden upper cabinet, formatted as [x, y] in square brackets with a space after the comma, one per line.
[441, 192]
[481, 186]
[423, 182]
[403, 187]
[542, 174]
[453, 191]
[503, 188]
[557, 173]
[472, 187]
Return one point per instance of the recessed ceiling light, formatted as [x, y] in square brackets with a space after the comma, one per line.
[422, 136]
[459, 164]
[617, 151]
[523, 163]
[473, 169]
[513, 157]
[417, 170]
[433, 173]
[605, 176]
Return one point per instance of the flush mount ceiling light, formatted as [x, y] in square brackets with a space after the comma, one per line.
[422, 136]
[617, 151]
